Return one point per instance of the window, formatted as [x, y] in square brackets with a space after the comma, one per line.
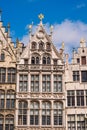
[71, 122]
[57, 83]
[33, 45]
[46, 113]
[34, 113]
[26, 61]
[2, 57]
[11, 75]
[2, 99]
[10, 99]
[1, 122]
[55, 62]
[80, 97]
[34, 83]
[86, 97]
[58, 113]
[78, 60]
[80, 122]
[9, 122]
[75, 75]
[35, 60]
[83, 60]
[70, 98]
[48, 47]
[46, 83]
[84, 76]
[41, 46]
[32, 60]
[2, 75]
[22, 113]
[46, 60]
[23, 82]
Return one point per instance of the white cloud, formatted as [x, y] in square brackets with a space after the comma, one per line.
[81, 6]
[68, 31]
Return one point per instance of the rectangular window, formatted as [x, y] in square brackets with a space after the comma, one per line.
[57, 83]
[46, 83]
[75, 75]
[34, 83]
[78, 60]
[11, 75]
[71, 98]
[83, 60]
[80, 122]
[23, 82]
[86, 97]
[80, 97]
[84, 76]
[71, 122]
[25, 61]
[2, 75]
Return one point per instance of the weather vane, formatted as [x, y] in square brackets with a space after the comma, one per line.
[41, 16]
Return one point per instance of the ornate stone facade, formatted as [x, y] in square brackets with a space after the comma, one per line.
[40, 81]
[7, 80]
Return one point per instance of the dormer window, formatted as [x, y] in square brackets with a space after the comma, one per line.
[2, 57]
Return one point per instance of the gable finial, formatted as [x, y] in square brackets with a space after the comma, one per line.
[51, 29]
[30, 27]
[8, 26]
[63, 45]
[0, 14]
[41, 16]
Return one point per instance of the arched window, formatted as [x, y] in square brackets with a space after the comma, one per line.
[58, 113]
[48, 60]
[46, 113]
[33, 45]
[2, 75]
[37, 60]
[22, 113]
[9, 122]
[33, 60]
[1, 122]
[10, 99]
[41, 46]
[34, 113]
[44, 60]
[48, 46]
[23, 82]
[2, 99]
[11, 75]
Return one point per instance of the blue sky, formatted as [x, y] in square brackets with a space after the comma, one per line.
[68, 17]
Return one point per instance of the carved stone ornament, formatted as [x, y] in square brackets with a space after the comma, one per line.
[40, 35]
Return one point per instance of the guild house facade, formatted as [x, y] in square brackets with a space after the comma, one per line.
[39, 89]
